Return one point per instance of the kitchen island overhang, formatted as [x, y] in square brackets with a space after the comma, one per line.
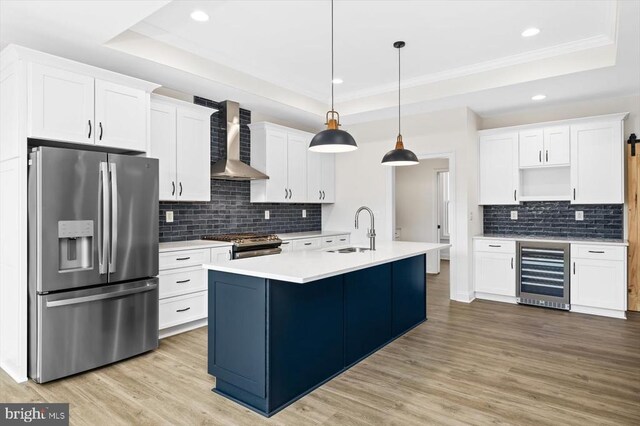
[281, 326]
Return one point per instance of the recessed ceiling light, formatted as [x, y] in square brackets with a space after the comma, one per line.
[530, 32]
[538, 97]
[337, 81]
[200, 16]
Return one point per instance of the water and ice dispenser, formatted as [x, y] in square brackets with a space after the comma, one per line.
[75, 245]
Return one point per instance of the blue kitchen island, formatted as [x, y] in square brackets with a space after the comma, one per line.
[282, 325]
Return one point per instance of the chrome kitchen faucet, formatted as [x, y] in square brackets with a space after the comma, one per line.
[371, 232]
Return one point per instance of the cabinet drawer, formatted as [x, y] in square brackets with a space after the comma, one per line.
[343, 240]
[286, 246]
[495, 246]
[182, 281]
[309, 244]
[329, 241]
[587, 251]
[182, 309]
[179, 259]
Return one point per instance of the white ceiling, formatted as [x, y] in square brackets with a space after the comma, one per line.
[288, 42]
[273, 56]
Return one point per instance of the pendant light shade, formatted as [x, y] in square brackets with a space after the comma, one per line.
[399, 156]
[332, 139]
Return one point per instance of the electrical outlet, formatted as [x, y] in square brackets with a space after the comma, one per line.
[169, 217]
[304, 213]
[579, 215]
[514, 214]
[266, 214]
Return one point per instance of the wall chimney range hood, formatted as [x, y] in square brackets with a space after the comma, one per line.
[231, 168]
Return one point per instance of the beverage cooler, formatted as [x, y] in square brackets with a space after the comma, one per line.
[543, 274]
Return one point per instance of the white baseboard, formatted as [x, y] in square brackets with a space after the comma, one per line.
[495, 297]
[464, 297]
[612, 313]
[18, 377]
[182, 328]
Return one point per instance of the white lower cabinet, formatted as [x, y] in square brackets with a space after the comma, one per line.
[315, 243]
[495, 269]
[306, 244]
[598, 280]
[183, 287]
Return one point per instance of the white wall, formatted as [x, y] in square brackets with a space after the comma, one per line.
[362, 180]
[415, 194]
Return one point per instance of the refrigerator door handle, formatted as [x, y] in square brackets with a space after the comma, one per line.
[114, 217]
[96, 297]
[103, 221]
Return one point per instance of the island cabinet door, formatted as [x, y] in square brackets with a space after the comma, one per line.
[409, 294]
[236, 335]
[367, 311]
[306, 336]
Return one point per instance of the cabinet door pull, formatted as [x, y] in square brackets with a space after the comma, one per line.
[290, 194]
[184, 258]
[512, 263]
[495, 245]
[307, 244]
[89, 135]
[596, 251]
[574, 268]
[320, 195]
[183, 281]
[183, 310]
[540, 156]
[285, 242]
[323, 195]
[328, 241]
[286, 194]
[173, 188]
[100, 124]
[546, 156]
[515, 193]
[343, 239]
[574, 194]
[180, 189]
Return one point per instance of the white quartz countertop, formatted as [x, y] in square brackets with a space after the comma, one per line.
[598, 241]
[311, 234]
[306, 266]
[191, 245]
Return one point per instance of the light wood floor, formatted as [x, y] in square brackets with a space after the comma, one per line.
[477, 363]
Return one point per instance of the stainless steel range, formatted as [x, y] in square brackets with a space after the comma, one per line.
[249, 245]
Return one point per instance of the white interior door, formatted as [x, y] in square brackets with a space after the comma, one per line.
[443, 204]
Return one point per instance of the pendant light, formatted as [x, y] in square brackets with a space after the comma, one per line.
[399, 156]
[332, 139]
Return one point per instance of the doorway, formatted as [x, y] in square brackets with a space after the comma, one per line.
[422, 206]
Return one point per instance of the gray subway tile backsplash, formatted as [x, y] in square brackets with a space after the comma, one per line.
[229, 210]
[556, 219]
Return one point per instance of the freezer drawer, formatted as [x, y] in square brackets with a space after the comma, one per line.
[79, 330]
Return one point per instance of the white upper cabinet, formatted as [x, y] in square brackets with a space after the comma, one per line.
[530, 148]
[163, 146]
[193, 154]
[297, 167]
[597, 163]
[320, 177]
[180, 140]
[295, 174]
[60, 105]
[121, 116]
[543, 147]
[498, 169]
[84, 108]
[579, 160]
[557, 146]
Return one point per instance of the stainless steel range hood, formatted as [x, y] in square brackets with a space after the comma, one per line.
[231, 168]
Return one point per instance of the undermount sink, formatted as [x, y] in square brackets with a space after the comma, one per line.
[349, 250]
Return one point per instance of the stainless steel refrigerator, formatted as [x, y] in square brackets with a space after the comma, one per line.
[93, 259]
